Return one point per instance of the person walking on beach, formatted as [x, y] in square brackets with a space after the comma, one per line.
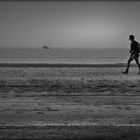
[134, 54]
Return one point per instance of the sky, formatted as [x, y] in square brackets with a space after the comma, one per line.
[81, 24]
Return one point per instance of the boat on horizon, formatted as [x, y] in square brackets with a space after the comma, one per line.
[45, 47]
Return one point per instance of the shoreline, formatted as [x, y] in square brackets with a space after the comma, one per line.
[43, 65]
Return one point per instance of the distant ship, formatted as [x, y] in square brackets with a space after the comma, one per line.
[45, 47]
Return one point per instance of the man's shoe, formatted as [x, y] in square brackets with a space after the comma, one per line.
[124, 72]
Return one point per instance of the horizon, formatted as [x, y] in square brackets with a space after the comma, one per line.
[69, 24]
[87, 48]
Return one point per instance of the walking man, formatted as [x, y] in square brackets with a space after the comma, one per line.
[134, 54]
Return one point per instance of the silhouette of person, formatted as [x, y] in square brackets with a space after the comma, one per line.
[134, 54]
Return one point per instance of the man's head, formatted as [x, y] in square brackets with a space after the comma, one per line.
[131, 37]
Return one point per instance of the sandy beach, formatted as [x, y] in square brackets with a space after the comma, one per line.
[69, 103]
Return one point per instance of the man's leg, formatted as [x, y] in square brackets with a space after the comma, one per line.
[138, 64]
[128, 65]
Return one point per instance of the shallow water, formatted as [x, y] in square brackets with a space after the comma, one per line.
[61, 55]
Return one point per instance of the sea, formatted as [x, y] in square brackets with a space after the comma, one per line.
[63, 55]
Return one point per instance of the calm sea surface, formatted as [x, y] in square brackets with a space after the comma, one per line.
[59, 55]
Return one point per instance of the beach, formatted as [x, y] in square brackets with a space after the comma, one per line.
[62, 70]
[69, 102]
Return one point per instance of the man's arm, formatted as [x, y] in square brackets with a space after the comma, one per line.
[131, 49]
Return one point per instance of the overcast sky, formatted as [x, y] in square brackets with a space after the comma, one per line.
[68, 24]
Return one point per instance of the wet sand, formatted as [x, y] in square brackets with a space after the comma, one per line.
[69, 103]
[60, 65]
